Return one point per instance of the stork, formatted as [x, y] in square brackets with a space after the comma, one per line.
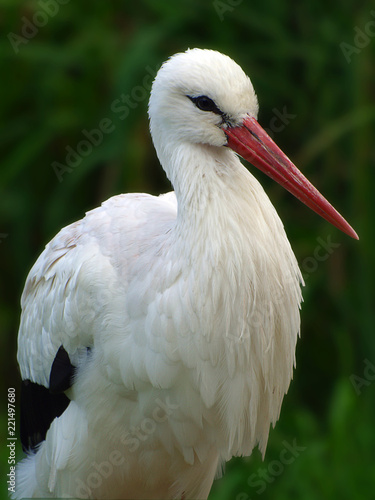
[157, 336]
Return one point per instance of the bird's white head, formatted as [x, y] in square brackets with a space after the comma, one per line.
[198, 93]
[202, 97]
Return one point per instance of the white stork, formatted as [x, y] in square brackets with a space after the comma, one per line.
[158, 334]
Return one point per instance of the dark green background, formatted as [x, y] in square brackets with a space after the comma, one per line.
[65, 79]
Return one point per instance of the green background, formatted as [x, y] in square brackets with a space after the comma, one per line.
[65, 79]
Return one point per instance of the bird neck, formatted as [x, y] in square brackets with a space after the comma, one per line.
[226, 224]
[217, 198]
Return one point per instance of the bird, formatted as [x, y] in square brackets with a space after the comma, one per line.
[157, 335]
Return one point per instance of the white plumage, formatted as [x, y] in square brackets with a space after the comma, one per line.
[179, 312]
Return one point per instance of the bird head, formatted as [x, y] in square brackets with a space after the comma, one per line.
[203, 97]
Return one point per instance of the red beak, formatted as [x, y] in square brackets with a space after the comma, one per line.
[254, 145]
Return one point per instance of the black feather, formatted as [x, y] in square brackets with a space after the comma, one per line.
[41, 405]
[62, 372]
[38, 409]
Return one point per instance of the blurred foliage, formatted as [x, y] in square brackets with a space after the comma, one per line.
[66, 78]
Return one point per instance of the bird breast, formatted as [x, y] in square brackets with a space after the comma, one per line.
[209, 319]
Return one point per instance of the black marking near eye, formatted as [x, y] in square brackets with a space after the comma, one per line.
[205, 103]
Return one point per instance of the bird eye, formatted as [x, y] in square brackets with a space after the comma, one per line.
[204, 103]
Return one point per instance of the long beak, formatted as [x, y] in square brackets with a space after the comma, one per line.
[254, 145]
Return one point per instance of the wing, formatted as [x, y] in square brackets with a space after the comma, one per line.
[65, 293]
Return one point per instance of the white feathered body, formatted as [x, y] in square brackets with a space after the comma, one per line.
[180, 312]
[192, 315]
